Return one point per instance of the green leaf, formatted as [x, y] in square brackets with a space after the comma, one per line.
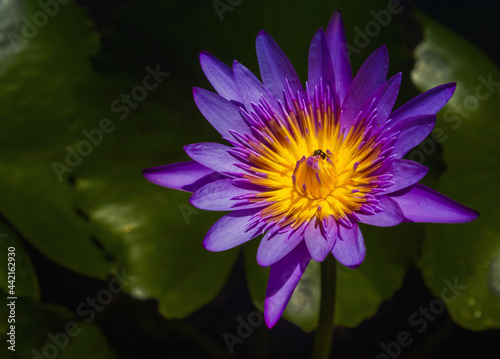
[25, 282]
[95, 211]
[389, 253]
[469, 130]
[151, 231]
[37, 107]
[49, 331]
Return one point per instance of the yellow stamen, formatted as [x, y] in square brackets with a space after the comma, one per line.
[312, 168]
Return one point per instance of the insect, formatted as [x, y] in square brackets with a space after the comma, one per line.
[321, 154]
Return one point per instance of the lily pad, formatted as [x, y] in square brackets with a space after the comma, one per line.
[73, 186]
[465, 254]
[151, 231]
[37, 109]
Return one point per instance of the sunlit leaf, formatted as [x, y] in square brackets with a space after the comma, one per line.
[37, 110]
[469, 128]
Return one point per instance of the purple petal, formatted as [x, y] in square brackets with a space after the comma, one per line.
[412, 131]
[283, 278]
[427, 103]
[391, 214]
[370, 76]
[383, 99]
[230, 231]
[405, 173]
[350, 249]
[216, 196]
[222, 114]
[275, 68]
[220, 76]
[422, 204]
[185, 176]
[317, 244]
[332, 227]
[320, 63]
[251, 89]
[274, 247]
[339, 53]
[213, 156]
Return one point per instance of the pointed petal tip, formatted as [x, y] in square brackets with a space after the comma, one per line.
[262, 33]
[270, 322]
[263, 263]
[192, 146]
[336, 17]
[205, 57]
[205, 54]
[149, 175]
[474, 215]
[468, 215]
[193, 201]
[207, 243]
[211, 244]
[274, 307]
[262, 38]
[320, 31]
[452, 86]
[384, 50]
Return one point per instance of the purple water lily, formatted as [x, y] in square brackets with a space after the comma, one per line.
[304, 166]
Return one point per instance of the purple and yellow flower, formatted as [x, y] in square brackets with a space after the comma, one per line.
[304, 166]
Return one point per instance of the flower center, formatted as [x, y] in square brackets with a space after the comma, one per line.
[308, 164]
[315, 177]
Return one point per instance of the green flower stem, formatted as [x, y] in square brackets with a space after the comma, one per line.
[324, 333]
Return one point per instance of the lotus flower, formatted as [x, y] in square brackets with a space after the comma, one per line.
[304, 166]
